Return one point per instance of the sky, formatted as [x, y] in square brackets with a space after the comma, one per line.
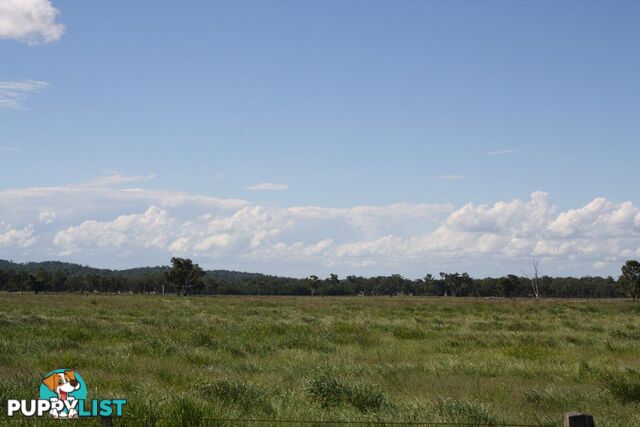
[295, 138]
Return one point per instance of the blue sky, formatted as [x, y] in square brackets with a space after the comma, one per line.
[331, 105]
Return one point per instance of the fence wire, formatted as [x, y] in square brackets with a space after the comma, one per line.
[198, 421]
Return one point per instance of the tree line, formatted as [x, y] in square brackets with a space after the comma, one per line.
[184, 277]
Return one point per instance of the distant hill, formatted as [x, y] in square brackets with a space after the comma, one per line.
[79, 270]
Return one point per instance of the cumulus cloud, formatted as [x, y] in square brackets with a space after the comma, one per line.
[268, 186]
[13, 94]
[600, 218]
[16, 237]
[517, 230]
[30, 21]
[250, 231]
[149, 229]
[149, 226]
[514, 230]
[46, 217]
[514, 217]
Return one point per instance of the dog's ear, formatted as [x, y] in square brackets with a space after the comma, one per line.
[51, 382]
[71, 375]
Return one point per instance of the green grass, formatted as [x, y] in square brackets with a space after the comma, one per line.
[187, 360]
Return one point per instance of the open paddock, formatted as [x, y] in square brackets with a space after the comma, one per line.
[319, 358]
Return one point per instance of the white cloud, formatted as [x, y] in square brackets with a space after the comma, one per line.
[252, 232]
[138, 231]
[245, 229]
[501, 152]
[451, 177]
[268, 186]
[116, 179]
[77, 203]
[514, 231]
[403, 219]
[600, 218]
[8, 149]
[46, 217]
[16, 237]
[514, 217]
[13, 94]
[30, 21]
[108, 224]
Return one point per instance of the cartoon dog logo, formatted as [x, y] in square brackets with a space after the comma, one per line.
[62, 384]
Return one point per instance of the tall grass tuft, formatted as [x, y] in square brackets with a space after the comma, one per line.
[464, 412]
[405, 332]
[365, 398]
[238, 393]
[146, 413]
[328, 389]
[187, 412]
[625, 387]
[333, 390]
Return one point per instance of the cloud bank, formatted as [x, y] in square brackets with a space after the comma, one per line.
[29, 21]
[111, 226]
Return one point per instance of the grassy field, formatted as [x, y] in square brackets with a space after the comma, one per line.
[181, 360]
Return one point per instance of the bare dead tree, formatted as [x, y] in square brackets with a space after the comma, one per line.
[535, 280]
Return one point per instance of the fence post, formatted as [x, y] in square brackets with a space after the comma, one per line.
[106, 422]
[578, 419]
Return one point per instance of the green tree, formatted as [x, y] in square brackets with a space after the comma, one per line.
[44, 278]
[506, 287]
[332, 286]
[35, 284]
[457, 284]
[58, 281]
[185, 275]
[427, 286]
[394, 284]
[313, 282]
[333, 279]
[630, 278]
